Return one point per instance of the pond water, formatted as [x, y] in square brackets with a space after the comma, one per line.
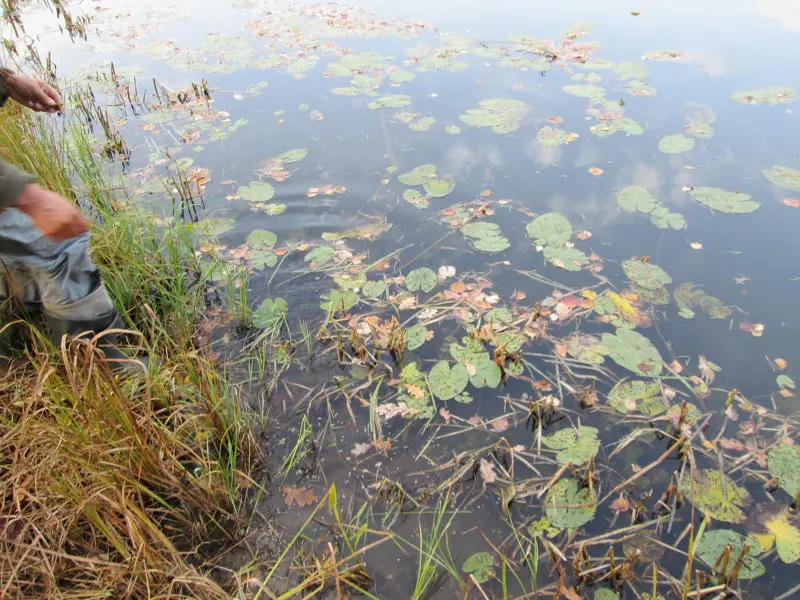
[583, 217]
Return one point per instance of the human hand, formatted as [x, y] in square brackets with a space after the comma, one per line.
[57, 218]
[32, 93]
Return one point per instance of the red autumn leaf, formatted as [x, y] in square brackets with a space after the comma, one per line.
[301, 496]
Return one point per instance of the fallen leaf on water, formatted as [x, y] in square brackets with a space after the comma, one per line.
[518, 295]
[584, 235]
[471, 369]
[476, 420]
[500, 425]
[486, 193]
[228, 181]
[620, 504]
[281, 251]
[149, 127]
[487, 471]
[707, 369]
[458, 287]
[781, 363]
[555, 120]
[543, 385]
[754, 329]
[382, 444]
[596, 171]
[232, 197]
[676, 366]
[561, 350]
[445, 414]
[635, 13]
[415, 391]
[297, 495]
[786, 393]
[793, 202]
[696, 245]
[359, 449]
[447, 271]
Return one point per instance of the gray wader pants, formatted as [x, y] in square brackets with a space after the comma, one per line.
[56, 279]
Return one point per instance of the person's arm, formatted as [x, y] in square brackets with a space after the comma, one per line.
[31, 93]
[12, 183]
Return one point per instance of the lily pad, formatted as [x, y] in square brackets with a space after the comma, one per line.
[638, 396]
[605, 594]
[688, 298]
[416, 336]
[261, 238]
[553, 136]
[575, 446]
[585, 90]
[446, 383]
[270, 312]
[565, 257]
[263, 260]
[401, 76]
[587, 348]
[502, 115]
[550, 228]
[783, 462]
[418, 175]
[631, 70]
[485, 236]
[625, 125]
[391, 101]
[783, 177]
[630, 349]
[373, 289]
[453, 129]
[339, 300]
[773, 525]
[724, 201]
[439, 187]
[423, 124]
[568, 506]
[256, 191]
[703, 131]
[717, 495]
[415, 198]
[421, 279]
[645, 274]
[294, 155]
[675, 144]
[640, 88]
[319, 255]
[482, 370]
[715, 543]
[664, 218]
[766, 95]
[636, 199]
[480, 565]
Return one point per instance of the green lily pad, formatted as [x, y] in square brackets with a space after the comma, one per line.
[416, 336]
[423, 124]
[783, 177]
[418, 175]
[703, 131]
[717, 495]
[640, 88]
[346, 91]
[270, 312]
[446, 383]
[564, 257]
[485, 236]
[688, 298]
[421, 279]
[630, 349]
[553, 136]
[391, 101]
[766, 95]
[715, 543]
[319, 256]
[511, 342]
[415, 198]
[257, 191]
[502, 115]
[568, 506]
[585, 90]
[480, 565]
[339, 300]
[182, 164]
[575, 446]
[402, 76]
[294, 155]
[724, 201]
[605, 594]
[646, 275]
[453, 129]
[261, 238]
[783, 462]
[675, 144]
[625, 125]
[263, 259]
[636, 199]
[373, 289]
[640, 396]
[587, 348]
[214, 226]
[439, 187]
[773, 524]
[664, 218]
[631, 70]
[271, 209]
[550, 228]
[482, 370]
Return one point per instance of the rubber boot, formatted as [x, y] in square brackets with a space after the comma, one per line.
[108, 344]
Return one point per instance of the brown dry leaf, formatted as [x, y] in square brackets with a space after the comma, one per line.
[382, 444]
[227, 181]
[729, 444]
[149, 127]
[561, 350]
[297, 495]
[781, 363]
[754, 329]
[445, 414]
[748, 428]
[543, 385]
[518, 295]
[471, 369]
[584, 235]
[706, 370]
[569, 593]
[596, 171]
[281, 251]
[696, 245]
[793, 202]
[360, 449]
[242, 480]
[487, 471]
[415, 391]
[232, 197]
[486, 193]
[554, 120]
[458, 287]
[500, 425]
[786, 393]
[476, 420]
[621, 504]
[731, 413]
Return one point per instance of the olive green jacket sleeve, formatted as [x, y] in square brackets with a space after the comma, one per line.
[12, 180]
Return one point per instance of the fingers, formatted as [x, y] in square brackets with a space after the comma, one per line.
[51, 93]
[42, 101]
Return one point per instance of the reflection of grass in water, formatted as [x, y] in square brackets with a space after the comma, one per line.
[119, 474]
